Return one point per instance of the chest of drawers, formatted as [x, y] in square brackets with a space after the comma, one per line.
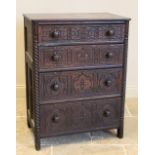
[75, 72]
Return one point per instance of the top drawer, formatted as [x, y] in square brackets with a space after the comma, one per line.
[81, 33]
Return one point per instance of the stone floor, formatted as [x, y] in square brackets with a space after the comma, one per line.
[95, 143]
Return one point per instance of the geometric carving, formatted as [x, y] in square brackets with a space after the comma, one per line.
[81, 83]
[78, 116]
[75, 56]
[82, 32]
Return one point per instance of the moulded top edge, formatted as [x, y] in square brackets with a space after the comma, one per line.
[74, 17]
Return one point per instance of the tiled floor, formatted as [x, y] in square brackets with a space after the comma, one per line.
[95, 143]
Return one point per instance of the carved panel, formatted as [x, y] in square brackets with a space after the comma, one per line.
[82, 83]
[100, 117]
[82, 32]
[78, 116]
[76, 56]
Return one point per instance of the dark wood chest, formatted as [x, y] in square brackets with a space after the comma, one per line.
[75, 72]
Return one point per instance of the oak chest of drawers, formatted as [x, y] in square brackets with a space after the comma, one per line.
[75, 72]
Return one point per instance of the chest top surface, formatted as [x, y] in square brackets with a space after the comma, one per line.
[74, 16]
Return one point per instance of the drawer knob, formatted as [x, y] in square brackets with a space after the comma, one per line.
[109, 55]
[55, 118]
[108, 82]
[110, 33]
[55, 86]
[55, 34]
[106, 113]
[55, 57]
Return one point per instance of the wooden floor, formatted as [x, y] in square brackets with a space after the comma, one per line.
[95, 143]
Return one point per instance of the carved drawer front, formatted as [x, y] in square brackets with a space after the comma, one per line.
[68, 117]
[84, 55]
[81, 83]
[100, 32]
[106, 112]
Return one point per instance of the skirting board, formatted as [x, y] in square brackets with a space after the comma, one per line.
[131, 92]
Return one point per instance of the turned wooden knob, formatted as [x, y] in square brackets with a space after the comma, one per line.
[55, 34]
[108, 82]
[110, 33]
[106, 113]
[55, 118]
[55, 57]
[109, 55]
[55, 86]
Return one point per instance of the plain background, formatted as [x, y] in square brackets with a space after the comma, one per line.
[121, 7]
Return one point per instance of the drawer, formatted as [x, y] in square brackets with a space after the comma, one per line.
[81, 33]
[80, 83]
[80, 56]
[68, 117]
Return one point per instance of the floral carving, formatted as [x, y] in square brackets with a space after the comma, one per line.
[82, 83]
